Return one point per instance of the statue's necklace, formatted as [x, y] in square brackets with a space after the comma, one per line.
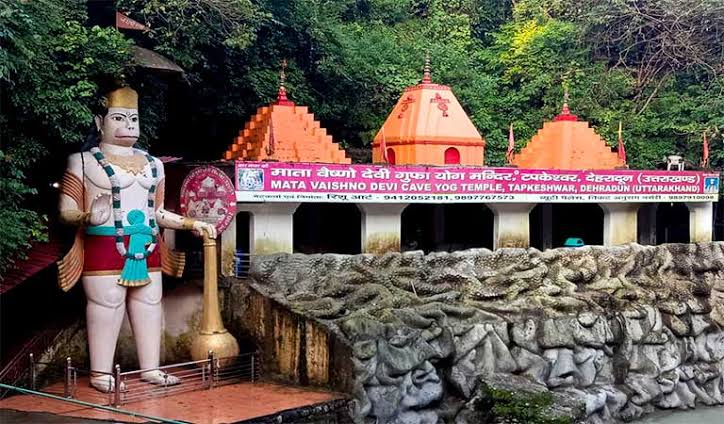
[133, 164]
[118, 212]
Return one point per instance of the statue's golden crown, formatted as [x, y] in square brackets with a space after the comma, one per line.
[125, 97]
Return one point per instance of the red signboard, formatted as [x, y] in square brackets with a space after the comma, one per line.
[207, 194]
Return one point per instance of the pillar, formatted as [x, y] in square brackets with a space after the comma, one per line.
[272, 227]
[701, 218]
[228, 249]
[620, 223]
[381, 227]
[511, 224]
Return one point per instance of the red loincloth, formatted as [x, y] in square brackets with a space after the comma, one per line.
[102, 257]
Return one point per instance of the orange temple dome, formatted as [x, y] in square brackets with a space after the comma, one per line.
[285, 132]
[567, 143]
[428, 126]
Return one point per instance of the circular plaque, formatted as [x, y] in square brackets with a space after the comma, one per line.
[207, 194]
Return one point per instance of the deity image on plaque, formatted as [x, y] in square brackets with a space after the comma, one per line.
[251, 179]
[711, 185]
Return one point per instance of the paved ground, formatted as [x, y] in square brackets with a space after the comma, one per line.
[236, 402]
[9, 416]
[698, 416]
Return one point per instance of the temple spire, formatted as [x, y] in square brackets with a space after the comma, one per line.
[426, 78]
[282, 92]
[565, 114]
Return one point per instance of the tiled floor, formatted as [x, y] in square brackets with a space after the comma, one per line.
[219, 405]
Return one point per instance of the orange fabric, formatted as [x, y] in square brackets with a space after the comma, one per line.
[285, 133]
[426, 121]
[567, 144]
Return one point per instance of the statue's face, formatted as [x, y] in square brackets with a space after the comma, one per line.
[120, 126]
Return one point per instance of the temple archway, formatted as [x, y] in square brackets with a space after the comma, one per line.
[452, 156]
[552, 223]
[672, 223]
[328, 228]
[448, 227]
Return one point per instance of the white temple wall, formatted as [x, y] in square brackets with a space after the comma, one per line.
[381, 227]
[511, 224]
[701, 222]
[271, 230]
[271, 227]
[620, 223]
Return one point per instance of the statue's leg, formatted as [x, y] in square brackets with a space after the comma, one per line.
[104, 316]
[145, 312]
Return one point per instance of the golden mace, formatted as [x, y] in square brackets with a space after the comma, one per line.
[212, 334]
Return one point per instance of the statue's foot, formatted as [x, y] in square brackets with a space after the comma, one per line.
[106, 384]
[160, 378]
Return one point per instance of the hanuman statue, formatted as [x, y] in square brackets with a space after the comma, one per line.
[114, 193]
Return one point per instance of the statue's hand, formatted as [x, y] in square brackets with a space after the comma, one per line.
[200, 226]
[100, 209]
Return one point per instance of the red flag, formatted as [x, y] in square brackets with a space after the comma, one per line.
[511, 146]
[124, 22]
[272, 141]
[705, 153]
[383, 146]
[621, 145]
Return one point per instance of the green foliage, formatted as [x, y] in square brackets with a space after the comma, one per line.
[504, 406]
[49, 68]
[19, 225]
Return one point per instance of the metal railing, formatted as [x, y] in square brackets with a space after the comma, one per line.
[17, 367]
[242, 264]
[131, 386]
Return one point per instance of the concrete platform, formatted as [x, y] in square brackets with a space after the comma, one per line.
[250, 402]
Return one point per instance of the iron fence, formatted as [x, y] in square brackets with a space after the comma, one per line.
[130, 386]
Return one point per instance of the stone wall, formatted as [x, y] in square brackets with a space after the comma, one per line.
[596, 334]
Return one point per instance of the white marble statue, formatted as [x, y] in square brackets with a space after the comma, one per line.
[114, 194]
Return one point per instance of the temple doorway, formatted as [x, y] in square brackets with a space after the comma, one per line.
[243, 232]
[552, 223]
[448, 227]
[672, 223]
[328, 228]
[242, 256]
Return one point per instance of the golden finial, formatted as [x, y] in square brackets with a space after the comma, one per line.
[282, 92]
[426, 78]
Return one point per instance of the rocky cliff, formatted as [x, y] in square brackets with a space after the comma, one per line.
[596, 334]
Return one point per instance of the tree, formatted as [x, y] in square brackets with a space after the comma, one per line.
[656, 39]
[49, 71]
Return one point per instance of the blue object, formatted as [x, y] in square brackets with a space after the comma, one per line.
[574, 242]
[135, 271]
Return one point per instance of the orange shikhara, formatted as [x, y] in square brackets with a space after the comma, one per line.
[285, 132]
[428, 126]
[567, 143]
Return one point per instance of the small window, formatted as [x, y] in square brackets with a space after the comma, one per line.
[452, 156]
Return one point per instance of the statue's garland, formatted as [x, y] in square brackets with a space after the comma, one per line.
[118, 212]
